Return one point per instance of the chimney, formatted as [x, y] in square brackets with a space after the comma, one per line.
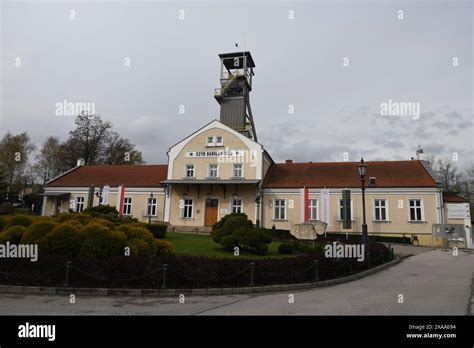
[288, 161]
[372, 181]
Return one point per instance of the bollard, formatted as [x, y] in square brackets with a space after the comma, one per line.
[165, 268]
[252, 274]
[68, 271]
[316, 270]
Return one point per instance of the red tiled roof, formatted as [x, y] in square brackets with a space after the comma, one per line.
[113, 175]
[449, 197]
[345, 174]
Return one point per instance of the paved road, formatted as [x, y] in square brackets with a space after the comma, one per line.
[434, 282]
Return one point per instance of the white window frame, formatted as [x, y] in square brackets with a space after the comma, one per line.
[285, 217]
[130, 205]
[232, 204]
[217, 143]
[422, 210]
[310, 207]
[153, 205]
[80, 204]
[183, 209]
[241, 170]
[387, 216]
[340, 207]
[209, 170]
[209, 143]
[186, 170]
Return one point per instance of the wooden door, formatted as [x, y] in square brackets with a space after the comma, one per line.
[211, 211]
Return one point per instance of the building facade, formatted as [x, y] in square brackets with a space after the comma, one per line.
[222, 168]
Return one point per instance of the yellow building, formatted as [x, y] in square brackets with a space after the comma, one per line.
[221, 168]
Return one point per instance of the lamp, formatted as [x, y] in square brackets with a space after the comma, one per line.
[362, 167]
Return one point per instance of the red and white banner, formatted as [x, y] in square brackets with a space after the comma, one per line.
[120, 196]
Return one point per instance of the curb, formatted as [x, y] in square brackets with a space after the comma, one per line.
[36, 290]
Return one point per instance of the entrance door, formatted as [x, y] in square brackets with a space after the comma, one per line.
[211, 211]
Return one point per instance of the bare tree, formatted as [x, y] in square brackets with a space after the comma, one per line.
[14, 153]
[48, 163]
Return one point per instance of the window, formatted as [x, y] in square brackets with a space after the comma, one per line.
[151, 206]
[214, 141]
[279, 211]
[341, 213]
[313, 209]
[189, 171]
[237, 205]
[79, 204]
[416, 211]
[213, 172]
[187, 209]
[238, 170]
[380, 206]
[127, 206]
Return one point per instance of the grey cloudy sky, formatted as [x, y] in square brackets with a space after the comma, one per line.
[298, 62]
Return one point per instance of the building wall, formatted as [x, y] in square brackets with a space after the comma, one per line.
[225, 165]
[246, 192]
[139, 201]
[398, 211]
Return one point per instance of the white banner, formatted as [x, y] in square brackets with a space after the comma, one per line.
[105, 195]
[325, 211]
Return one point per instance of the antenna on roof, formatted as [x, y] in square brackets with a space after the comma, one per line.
[419, 151]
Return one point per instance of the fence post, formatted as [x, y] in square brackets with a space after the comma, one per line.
[68, 271]
[316, 270]
[252, 274]
[165, 268]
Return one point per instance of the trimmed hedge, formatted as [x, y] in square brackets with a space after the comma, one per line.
[143, 272]
[19, 220]
[158, 230]
[64, 240]
[12, 234]
[37, 230]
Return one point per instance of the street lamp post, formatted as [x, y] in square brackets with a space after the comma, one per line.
[365, 237]
[150, 200]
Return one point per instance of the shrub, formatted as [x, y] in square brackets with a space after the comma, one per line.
[107, 223]
[164, 247]
[65, 239]
[220, 223]
[261, 249]
[19, 220]
[63, 217]
[250, 239]
[158, 230]
[103, 211]
[99, 241]
[13, 234]
[36, 231]
[281, 234]
[232, 223]
[229, 242]
[286, 248]
[22, 211]
[3, 222]
[138, 247]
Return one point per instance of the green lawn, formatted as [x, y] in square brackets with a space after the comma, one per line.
[203, 245]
